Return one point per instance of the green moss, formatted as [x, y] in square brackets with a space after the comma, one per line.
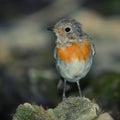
[76, 108]
[105, 89]
[72, 108]
[108, 82]
[32, 112]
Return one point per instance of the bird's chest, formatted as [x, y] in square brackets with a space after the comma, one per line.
[75, 51]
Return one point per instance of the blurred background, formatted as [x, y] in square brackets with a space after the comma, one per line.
[27, 69]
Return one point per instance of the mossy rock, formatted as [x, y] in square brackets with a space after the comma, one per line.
[77, 108]
[72, 108]
[32, 112]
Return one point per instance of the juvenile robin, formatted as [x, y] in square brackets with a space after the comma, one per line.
[74, 51]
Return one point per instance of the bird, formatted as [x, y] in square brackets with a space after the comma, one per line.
[74, 52]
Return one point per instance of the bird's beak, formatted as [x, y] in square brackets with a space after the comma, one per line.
[50, 28]
[53, 29]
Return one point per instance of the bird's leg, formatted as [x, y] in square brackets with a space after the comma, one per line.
[64, 89]
[80, 93]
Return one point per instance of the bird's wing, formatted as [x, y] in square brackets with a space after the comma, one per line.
[93, 48]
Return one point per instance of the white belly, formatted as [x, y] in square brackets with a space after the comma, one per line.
[75, 70]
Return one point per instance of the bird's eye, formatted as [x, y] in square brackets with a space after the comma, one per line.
[67, 29]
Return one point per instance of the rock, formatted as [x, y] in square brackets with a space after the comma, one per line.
[32, 112]
[77, 108]
[104, 116]
[72, 108]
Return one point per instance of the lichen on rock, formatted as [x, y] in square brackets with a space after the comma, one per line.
[72, 108]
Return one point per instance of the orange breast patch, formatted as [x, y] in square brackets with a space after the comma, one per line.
[79, 51]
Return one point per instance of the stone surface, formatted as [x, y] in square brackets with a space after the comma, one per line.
[72, 108]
